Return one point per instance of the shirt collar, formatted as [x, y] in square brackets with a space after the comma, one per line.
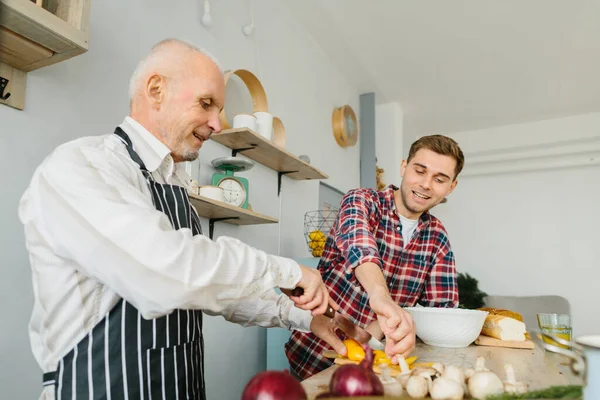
[152, 151]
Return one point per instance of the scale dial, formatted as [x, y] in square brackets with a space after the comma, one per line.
[234, 191]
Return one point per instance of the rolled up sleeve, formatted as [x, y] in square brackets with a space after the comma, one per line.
[94, 214]
[354, 234]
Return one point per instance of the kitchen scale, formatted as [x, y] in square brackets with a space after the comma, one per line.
[235, 188]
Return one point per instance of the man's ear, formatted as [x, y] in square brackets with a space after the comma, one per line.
[403, 168]
[156, 89]
[453, 186]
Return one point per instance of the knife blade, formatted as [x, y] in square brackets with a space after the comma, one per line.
[345, 325]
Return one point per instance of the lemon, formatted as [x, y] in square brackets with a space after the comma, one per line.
[316, 235]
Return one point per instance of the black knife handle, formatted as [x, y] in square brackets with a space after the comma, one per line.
[299, 292]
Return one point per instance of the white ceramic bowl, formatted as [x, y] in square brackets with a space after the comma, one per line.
[447, 327]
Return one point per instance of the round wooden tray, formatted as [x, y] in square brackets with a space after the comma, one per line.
[257, 92]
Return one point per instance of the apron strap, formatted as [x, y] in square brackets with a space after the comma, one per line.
[134, 156]
[49, 378]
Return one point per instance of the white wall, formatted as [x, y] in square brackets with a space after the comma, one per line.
[524, 217]
[87, 95]
[389, 141]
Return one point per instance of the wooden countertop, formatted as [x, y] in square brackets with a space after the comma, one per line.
[537, 367]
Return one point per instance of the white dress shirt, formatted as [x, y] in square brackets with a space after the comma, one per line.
[94, 237]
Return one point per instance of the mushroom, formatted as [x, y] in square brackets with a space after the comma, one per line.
[439, 367]
[480, 364]
[417, 386]
[403, 379]
[455, 374]
[511, 385]
[483, 382]
[391, 386]
[446, 389]
[468, 373]
[404, 368]
[425, 372]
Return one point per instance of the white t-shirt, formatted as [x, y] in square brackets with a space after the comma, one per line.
[408, 228]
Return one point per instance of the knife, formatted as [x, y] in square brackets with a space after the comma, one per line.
[350, 329]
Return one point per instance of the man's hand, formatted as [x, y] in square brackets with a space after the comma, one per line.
[324, 328]
[314, 294]
[396, 324]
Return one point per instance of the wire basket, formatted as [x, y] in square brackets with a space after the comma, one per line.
[317, 225]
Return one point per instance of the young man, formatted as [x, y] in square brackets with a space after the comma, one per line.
[121, 271]
[385, 252]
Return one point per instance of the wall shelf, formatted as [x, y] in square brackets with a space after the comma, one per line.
[216, 211]
[252, 145]
[33, 37]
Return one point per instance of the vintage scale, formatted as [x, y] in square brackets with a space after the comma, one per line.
[235, 187]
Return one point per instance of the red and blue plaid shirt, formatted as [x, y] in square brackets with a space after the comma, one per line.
[368, 229]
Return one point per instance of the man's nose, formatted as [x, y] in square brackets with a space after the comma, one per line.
[426, 182]
[215, 123]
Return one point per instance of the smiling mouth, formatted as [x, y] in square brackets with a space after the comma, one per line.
[200, 138]
[421, 196]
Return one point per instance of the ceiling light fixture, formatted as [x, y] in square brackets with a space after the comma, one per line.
[207, 18]
[249, 28]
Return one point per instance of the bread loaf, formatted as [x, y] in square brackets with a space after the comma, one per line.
[501, 311]
[504, 328]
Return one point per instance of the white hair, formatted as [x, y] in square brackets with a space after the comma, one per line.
[157, 55]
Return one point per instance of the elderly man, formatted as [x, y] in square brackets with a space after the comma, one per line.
[121, 271]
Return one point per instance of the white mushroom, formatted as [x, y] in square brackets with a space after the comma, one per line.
[454, 373]
[480, 364]
[446, 389]
[417, 387]
[403, 379]
[483, 382]
[391, 386]
[468, 373]
[425, 372]
[439, 367]
[404, 368]
[510, 384]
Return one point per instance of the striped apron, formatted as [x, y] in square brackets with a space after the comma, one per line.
[128, 357]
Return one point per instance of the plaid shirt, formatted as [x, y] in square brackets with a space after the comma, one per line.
[368, 229]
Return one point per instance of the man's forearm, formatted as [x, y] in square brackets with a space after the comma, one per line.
[371, 278]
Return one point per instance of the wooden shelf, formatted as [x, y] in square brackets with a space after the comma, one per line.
[33, 37]
[218, 211]
[263, 151]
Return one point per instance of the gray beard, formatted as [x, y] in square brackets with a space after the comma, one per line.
[190, 155]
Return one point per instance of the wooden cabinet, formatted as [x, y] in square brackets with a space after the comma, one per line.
[36, 34]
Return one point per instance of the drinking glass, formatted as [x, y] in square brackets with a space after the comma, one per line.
[555, 324]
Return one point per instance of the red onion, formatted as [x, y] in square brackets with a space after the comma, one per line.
[325, 395]
[274, 385]
[356, 380]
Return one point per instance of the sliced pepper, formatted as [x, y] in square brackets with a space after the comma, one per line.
[380, 357]
[355, 350]
[410, 360]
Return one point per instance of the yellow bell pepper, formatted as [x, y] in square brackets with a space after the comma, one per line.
[380, 358]
[355, 350]
[411, 360]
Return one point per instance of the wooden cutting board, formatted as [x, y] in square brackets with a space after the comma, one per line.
[483, 340]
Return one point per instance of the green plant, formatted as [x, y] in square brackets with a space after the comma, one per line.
[573, 392]
[469, 295]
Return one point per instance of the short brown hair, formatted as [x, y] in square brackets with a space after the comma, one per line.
[442, 145]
